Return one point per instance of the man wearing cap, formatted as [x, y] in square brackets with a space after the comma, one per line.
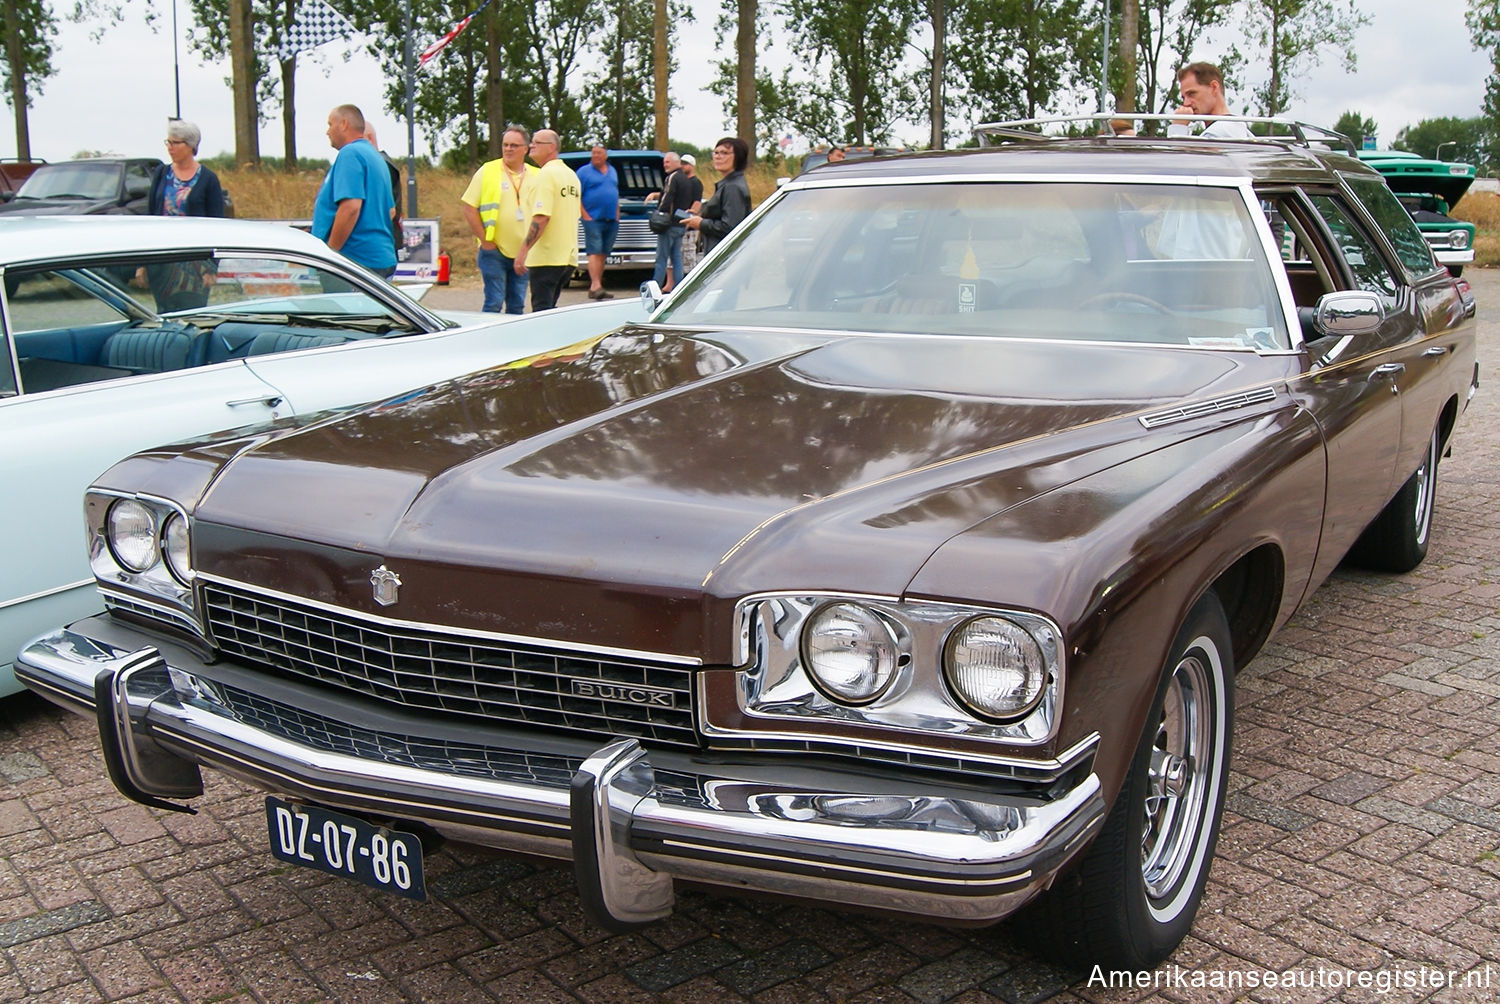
[669, 241]
[690, 198]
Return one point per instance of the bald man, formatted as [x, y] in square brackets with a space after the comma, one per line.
[550, 251]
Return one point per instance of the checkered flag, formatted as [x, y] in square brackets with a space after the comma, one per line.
[316, 23]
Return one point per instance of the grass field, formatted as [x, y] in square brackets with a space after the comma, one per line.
[1483, 210]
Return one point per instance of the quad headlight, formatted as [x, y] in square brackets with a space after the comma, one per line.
[995, 667]
[130, 532]
[174, 547]
[141, 542]
[851, 653]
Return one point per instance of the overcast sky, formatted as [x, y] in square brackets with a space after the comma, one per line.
[1415, 62]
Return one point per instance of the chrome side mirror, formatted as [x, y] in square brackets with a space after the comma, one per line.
[1349, 312]
[651, 295]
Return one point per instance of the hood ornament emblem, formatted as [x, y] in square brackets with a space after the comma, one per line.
[387, 583]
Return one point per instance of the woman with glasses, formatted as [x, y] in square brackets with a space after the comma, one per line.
[730, 203]
[183, 187]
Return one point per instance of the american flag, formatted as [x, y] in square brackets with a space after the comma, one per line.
[786, 141]
[442, 43]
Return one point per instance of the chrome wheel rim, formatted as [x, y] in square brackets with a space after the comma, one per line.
[1177, 778]
[1426, 478]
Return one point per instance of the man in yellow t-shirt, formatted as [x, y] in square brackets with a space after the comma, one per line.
[497, 206]
[549, 252]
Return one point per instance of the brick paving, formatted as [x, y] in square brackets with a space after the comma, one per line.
[1362, 837]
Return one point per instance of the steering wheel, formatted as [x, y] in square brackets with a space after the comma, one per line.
[1121, 296]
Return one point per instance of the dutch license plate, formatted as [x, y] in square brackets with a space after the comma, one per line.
[343, 845]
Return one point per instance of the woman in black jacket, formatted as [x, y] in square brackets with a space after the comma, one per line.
[730, 203]
[183, 187]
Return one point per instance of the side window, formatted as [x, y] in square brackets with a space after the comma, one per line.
[61, 321]
[137, 181]
[1396, 223]
[1370, 271]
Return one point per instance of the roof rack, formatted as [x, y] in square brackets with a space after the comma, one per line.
[1279, 130]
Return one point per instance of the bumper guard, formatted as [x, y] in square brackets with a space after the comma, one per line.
[952, 853]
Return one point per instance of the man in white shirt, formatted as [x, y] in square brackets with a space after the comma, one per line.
[1202, 88]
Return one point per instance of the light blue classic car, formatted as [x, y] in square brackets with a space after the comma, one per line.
[123, 333]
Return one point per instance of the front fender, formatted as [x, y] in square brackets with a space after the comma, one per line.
[1119, 557]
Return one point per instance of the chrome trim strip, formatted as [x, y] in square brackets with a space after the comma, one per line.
[450, 631]
[1187, 412]
[831, 180]
[45, 593]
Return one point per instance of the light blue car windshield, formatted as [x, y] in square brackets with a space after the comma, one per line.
[1176, 264]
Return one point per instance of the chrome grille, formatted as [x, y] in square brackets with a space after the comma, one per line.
[549, 770]
[634, 235]
[455, 674]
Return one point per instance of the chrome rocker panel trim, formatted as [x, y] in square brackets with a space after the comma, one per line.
[942, 852]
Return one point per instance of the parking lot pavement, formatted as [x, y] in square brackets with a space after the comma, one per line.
[1360, 853]
[468, 293]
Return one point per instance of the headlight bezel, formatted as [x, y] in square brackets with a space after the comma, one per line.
[164, 588]
[771, 702]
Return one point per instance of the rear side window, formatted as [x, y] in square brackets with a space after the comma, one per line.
[1397, 224]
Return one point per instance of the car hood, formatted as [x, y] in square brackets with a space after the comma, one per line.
[54, 207]
[628, 494]
[1422, 179]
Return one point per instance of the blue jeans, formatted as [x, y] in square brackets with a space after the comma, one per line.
[669, 252]
[503, 289]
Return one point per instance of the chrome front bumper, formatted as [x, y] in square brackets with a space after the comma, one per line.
[631, 823]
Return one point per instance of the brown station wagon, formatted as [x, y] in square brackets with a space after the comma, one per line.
[902, 561]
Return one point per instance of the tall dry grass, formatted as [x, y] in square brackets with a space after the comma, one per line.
[1483, 210]
[279, 195]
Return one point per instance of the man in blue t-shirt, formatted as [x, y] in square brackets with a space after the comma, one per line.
[601, 216]
[354, 208]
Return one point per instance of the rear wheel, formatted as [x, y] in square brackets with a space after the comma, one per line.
[1397, 540]
[1133, 898]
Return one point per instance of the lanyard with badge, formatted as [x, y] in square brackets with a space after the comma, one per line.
[515, 186]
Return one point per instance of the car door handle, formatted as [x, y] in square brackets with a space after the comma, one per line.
[1387, 370]
[269, 402]
[1436, 350]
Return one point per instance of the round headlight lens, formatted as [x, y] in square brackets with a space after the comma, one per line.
[996, 667]
[850, 652]
[132, 535]
[175, 547]
[1458, 239]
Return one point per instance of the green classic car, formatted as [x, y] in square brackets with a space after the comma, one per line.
[1429, 189]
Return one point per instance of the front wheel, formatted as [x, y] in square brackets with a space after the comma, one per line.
[1133, 897]
[1397, 540]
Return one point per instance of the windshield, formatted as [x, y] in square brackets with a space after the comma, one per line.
[83, 180]
[1180, 264]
